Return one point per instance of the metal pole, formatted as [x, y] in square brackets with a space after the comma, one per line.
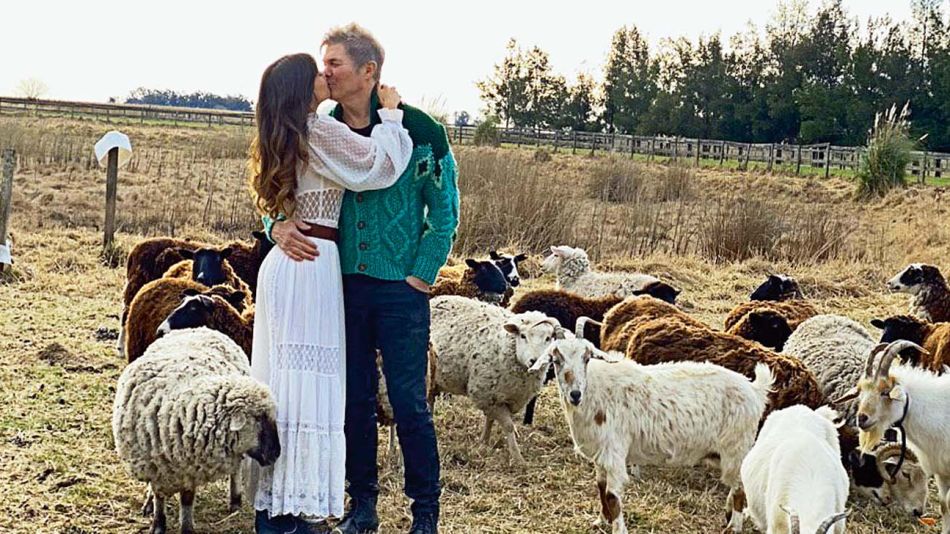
[112, 178]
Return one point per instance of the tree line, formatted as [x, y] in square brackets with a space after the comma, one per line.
[198, 99]
[808, 77]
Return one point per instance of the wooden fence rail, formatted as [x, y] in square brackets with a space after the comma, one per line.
[821, 156]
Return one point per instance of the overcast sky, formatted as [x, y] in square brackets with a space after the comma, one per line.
[435, 50]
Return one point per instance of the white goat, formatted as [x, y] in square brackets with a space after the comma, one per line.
[793, 474]
[916, 401]
[622, 413]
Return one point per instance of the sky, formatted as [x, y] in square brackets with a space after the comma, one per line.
[435, 50]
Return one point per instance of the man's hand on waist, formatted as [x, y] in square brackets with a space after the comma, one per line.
[287, 235]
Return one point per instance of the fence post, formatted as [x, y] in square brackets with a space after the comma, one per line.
[112, 178]
[555, 140]
[6, 197]
[748, 153]
[699, 145]
[771, 155]
[632, 141]
[827, 160]
[722, 152]
[593, 144]
[923, 173]
[798, 162]
[652, 148]
[573, 141]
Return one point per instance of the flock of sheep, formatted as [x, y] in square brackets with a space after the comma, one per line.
[789, 404]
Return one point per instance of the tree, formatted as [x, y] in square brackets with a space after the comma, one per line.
[156, 97]
[462, 118]
[32, 88]
[503, 91]
[579, 111]
[523, 89]
[629, 81]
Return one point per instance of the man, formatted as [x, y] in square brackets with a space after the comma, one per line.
[393, 242]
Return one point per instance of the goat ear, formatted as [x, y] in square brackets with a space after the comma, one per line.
[877, 323]
[897, 393]
[512, 329]
[493, 254]
[237, 422]
[851, 394]
[471, 263]
[520, 258]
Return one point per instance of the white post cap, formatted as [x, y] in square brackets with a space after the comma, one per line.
[112, 140]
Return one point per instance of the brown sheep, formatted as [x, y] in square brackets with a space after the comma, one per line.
[621, 321]
[671, 339]
[933, 337]
[794, 311]
[183, 270]
[158, 299]
[768, 327]
[213, 311]
[481, 280]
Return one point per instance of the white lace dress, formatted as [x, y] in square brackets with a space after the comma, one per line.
[298, 347]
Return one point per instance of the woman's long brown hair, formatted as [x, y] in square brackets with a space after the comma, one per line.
[281, 141]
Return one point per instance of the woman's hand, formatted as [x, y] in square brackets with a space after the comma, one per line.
[388, 96]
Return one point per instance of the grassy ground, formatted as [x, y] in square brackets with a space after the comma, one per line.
[58, 367]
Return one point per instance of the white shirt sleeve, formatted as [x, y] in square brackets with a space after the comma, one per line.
[356, 162]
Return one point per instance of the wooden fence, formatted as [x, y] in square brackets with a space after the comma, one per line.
[774, 155]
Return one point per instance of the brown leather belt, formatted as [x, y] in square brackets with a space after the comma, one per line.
[322, 232]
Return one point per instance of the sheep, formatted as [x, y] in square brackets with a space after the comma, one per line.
[914, 400]
[508, 263]
[573, 270]
[670, 339]
[225, 274]
[794, 312]
[212, 310]
[793, 477]
[186, 414]
[777, 287]
[623, 319]
[484, 352]
[933, 337]
[930, 295]
[767, 327]
[152, 258]
[621, 412]
[158, 299]
[481, 280]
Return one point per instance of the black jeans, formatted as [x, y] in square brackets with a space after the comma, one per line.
[393, 317]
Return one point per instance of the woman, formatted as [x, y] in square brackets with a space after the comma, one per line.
[300, 164]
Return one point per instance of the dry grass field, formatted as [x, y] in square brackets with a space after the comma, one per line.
[713, 234]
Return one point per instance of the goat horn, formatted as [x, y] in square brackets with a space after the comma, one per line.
[827, 523]
[869, 369]
[794, 526]
[893, 350]
[581, 325]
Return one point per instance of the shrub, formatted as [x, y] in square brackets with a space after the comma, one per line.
[486, 133]
[888, 152]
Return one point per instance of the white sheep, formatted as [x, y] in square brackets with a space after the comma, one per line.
[186, 413]
[916, 401]
[834, 349]
[620, 412]
[484, 352]
[793, 473]
[573, 270]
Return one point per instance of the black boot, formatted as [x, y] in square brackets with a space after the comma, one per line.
[427, 523]
[360, 519]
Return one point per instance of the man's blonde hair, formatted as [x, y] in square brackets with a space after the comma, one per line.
[359, 43]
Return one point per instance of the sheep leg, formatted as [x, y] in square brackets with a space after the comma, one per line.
[508, 427]
[486, 434]
[159, 522]
[529, 411]
[148, 507]
[611, 506]
[236, 489]
[602, 520]
[186, 512]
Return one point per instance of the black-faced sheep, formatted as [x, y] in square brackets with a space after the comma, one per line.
[187, 414]
[484, 352]
[764, 326]
[621, 413]
[933, 337]
[481, 280]
[930, 296]
[777, 287]
[794, 311]
[159, 298]
[573, 270]
[508, 263]
[670, 339]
